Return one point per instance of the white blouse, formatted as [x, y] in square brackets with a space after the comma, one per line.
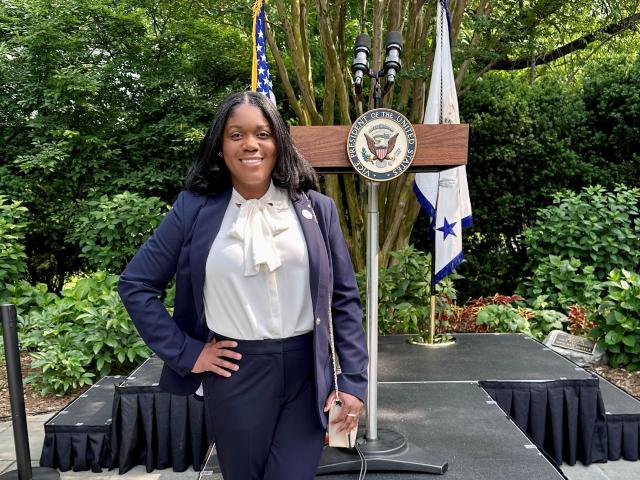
[257, 272]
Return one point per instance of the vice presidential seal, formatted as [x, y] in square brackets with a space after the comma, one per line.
[381, 144]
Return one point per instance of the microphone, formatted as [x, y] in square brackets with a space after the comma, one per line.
[392, 64]
[360, 65]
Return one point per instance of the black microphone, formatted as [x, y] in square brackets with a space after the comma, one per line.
[360, 65]
[392, 64]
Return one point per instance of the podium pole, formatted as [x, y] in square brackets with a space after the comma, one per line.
[372, 310]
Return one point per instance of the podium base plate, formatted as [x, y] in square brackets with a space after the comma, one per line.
[390, 452]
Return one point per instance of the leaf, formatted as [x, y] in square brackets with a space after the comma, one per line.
[612, 337]
[82, 288]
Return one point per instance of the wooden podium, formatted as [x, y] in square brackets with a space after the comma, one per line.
[439, 147]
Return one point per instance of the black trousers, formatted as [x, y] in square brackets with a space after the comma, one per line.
[263, 417]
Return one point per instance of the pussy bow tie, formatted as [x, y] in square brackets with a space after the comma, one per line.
[258, 222]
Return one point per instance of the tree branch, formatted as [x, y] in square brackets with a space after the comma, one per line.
[575, 45]
[332, 62]
[457, 12]
[332, 189]
[356, 217]
[484, 8]
[291, 25]
[284, 77]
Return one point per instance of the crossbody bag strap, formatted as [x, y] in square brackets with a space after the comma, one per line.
[332, 346]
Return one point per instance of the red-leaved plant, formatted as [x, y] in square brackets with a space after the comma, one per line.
[579, 323]
[463, 319]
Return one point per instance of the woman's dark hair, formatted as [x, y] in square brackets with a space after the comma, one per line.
[209, 174]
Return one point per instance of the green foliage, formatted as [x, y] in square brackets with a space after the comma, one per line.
[404, 293]
[504, 319]
[510, 34]
[26, 297]
[111, 230]
[509, 319]
[619, 319]
[543, 321]
[599, 228]
[559, 283]
[85, 333]
[12, 252]
[522, 144]
[63, 367]
[612, 102]
[577, 240]
[99, 97]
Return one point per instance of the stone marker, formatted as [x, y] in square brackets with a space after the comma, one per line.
[580, 350]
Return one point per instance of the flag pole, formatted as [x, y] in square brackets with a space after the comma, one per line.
[432, 321]
[257, 6]
[432, 284]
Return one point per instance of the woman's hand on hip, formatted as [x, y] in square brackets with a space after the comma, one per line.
[212, 358]
[350, 413]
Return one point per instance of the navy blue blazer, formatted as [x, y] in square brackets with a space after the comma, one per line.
[180, 246]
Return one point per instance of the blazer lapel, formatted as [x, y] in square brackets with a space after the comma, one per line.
[315, 245]
[205, 231]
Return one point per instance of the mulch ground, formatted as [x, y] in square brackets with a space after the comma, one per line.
[36, 404]
[627, 381]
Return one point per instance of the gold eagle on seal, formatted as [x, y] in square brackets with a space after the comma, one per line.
[377, 147]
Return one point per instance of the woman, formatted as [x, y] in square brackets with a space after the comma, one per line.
[261, 266]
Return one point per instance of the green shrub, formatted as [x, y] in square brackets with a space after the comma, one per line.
[26, 298]
[611, 94]
[575, 242]
[559, 283]
[12, 252]
[543, 321]
[110, 230]
[619, 319]
[85, 333]
[504, 319]
[63, 367]
[509, 319]
[404, 293]
[597, 227]
[523, 140]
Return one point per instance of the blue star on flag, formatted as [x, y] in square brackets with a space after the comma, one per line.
[447, 228]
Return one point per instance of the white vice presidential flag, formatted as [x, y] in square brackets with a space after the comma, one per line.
[444, 195]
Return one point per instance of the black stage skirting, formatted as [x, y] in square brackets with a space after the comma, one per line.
[623, 433]
[565, 418]
[154, 428]
[78, 437]
[157, 430]
[556, 404]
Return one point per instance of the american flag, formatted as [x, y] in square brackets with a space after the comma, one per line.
[260, 77]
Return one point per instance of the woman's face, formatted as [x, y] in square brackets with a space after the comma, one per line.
[249, 151]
